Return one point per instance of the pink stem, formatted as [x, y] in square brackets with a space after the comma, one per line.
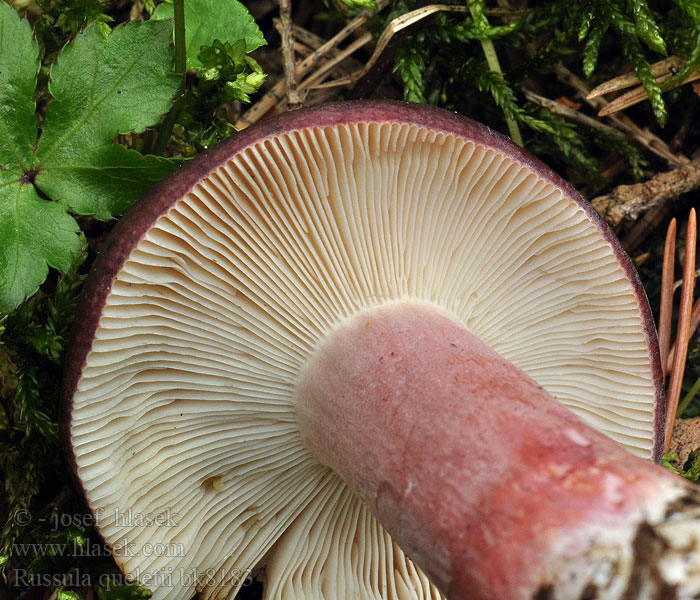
[487, 482]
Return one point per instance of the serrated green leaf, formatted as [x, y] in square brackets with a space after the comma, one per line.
[66, 595]
[104, 86]
[103, 181]
[19, 65]
[209, 20]
[35, 234]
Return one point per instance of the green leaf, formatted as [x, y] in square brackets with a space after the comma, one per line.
[35, 234]
[208, 20]
[104, 180]
[587, 17]
[691, 468]
[410, 65]
[646, 26]
[691, 8]
[632, 50]
[361, 4]
[480, 28]
[129, 591]
[667, 463]
[65, 595]
[19, 66]
[104, 86]
[590, 53]
[692, 62]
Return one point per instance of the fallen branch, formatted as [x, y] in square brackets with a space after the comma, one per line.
[629, 201]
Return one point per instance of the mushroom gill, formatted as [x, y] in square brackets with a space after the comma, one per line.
[183, 391]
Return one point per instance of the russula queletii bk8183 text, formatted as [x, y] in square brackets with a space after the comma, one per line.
[375, 350]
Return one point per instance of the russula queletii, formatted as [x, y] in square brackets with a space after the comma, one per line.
[375, 350]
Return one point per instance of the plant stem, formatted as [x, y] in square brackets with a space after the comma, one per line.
[687, 399]
[180, 49]
[166, 128]
[495, 65]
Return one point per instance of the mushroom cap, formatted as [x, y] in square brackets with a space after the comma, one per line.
[214, 290]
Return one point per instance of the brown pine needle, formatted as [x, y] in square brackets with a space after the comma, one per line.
[683, 331]
[662, 71]
[666, 307]
[694, 324]
[658, 69]
[622, 122]
[639, 94]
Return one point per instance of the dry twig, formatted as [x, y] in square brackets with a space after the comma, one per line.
[326, 69]
[639, 94]
[694, 323]
[643, 137]
[273, 96]
[629, 201]
[679, 282]
[314, 42]
[284, 26]
[392, 29]
[570, 113]
[662, 70]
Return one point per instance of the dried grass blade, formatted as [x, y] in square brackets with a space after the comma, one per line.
[396, 25]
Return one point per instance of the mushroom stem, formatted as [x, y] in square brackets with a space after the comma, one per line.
[494, 488]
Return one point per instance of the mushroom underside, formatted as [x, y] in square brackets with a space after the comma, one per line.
[186, 404]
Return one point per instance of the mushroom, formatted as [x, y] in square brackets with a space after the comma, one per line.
[375, 350]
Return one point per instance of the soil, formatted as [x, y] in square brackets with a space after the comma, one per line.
[686, 438]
